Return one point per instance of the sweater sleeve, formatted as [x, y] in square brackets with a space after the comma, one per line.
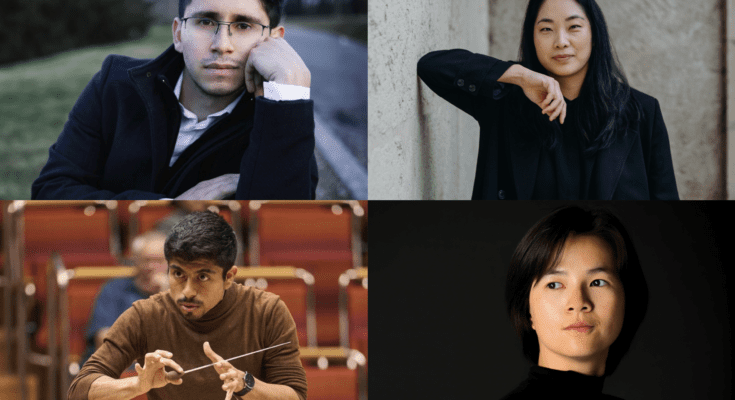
[660, 167]
[460, 77]
[282, 366]
[77, 159]
[122, 345]
[279, 162]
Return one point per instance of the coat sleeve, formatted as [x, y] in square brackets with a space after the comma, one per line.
[76, 161]
[460, 76]
[279, 162]
[660, 168]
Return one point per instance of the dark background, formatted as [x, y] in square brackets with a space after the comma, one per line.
[438, 323]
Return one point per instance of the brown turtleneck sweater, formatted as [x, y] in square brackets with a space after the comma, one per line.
[247, 319]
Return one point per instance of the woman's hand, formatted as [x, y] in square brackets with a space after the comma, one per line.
[152, 374]
[544, 91]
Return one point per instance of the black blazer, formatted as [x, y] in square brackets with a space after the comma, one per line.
[121, 134]
[638, 167]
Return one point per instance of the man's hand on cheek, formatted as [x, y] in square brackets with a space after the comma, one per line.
[274, 60]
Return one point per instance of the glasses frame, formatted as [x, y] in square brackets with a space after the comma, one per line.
[229, 32]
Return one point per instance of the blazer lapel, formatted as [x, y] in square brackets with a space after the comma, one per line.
[604, 170]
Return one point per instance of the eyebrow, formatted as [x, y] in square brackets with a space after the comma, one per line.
[199, 271]
[589, 272]
[552, 21]
[217, 16]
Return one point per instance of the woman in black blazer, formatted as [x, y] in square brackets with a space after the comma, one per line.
[594, 136]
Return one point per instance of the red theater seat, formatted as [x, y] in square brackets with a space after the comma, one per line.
[316, 238]
[354, 309]
[357, 308]
[293, 289]
[145, 215]
[334, 373]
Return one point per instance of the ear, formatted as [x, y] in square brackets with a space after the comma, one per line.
[278, 32]
[230, 277]
[176, 30]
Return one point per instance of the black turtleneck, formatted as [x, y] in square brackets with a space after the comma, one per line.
[546, 383]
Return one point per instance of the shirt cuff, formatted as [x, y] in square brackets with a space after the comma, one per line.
[282, 91]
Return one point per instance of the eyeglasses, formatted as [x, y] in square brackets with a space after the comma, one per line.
[237, 30]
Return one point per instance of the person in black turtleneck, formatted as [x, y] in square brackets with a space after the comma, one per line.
[573, 279]
[562, 122]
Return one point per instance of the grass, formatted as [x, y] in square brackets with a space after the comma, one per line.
[36, 98]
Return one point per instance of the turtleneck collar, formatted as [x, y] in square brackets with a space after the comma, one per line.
[213, 318]
[552, 378]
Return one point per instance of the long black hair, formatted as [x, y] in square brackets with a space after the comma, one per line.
[606, 107]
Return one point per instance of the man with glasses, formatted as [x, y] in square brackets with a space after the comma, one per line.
[224, 112]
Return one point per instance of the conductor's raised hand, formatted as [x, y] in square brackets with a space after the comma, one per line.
[231, 376]
[274, 60]
[152, 375]
[544, 91]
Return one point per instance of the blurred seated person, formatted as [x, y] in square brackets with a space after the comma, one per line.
[118, 295]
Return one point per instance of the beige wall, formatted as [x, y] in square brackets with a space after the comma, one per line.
[669, 49]
[419, 149]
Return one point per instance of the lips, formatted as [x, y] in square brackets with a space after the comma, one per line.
[189, 306]
[563, 57]
[578, 325]
[216, 65]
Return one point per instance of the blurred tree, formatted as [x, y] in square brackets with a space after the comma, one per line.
[35, 28]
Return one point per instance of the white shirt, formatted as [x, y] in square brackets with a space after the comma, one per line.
[191, 129]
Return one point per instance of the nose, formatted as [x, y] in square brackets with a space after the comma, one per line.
[221, 41]
[561, 40]
[579, 300]
[189, 290]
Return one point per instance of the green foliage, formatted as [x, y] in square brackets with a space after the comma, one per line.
[36, 28]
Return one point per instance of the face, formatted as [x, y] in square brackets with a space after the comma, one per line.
[582, 288]
[563, 29]
[203, 50]
[197, 287]
[151, 265]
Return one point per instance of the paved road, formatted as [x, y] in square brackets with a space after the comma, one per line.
[338, 68]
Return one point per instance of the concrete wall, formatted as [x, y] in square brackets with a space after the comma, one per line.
[669, 49]
[419, 146]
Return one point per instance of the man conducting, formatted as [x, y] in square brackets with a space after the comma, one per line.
[203, 311]
[223, 112]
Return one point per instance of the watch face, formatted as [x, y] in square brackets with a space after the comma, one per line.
[249, 380]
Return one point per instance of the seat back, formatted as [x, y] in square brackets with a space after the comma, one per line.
[317, 238]
[334, 373]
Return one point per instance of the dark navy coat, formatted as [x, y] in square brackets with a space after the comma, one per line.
[636, 167]
[120, 135]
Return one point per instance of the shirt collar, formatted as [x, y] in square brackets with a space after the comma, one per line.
[189, 114]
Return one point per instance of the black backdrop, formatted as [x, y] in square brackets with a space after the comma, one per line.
[438, 327]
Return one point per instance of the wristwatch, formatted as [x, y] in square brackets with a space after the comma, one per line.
[249, 383]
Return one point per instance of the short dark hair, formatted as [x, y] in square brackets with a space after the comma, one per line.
[274, 9]
[541, 249]
[202, 235]
[607, 106]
